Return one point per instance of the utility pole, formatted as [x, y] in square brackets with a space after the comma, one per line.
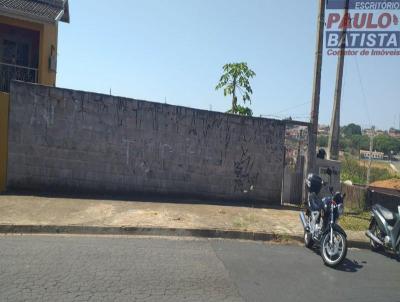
[371, 147]
[313, 130]
[334, 135]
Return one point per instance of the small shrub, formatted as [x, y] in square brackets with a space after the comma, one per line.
[352, 170]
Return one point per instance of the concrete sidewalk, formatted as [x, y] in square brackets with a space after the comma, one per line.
[21, 213]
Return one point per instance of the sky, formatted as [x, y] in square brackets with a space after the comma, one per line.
[173, 51]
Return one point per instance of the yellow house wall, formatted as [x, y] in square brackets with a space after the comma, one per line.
[48, 39]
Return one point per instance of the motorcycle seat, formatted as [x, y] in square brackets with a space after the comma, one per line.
[387, 214]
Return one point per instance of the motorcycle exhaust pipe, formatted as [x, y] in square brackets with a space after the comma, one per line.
[373, 237]
[303, 221]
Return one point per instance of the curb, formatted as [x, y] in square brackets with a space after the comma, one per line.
[156, 231]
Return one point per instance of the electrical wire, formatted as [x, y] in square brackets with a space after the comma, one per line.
[293, 107]
[364, 96]
[281, 116]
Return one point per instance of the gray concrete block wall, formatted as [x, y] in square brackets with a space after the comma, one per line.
[77, 141]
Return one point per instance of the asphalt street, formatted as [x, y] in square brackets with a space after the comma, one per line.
[87, 268]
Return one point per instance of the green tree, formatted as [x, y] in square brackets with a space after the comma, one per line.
[234, 80]
[354, 143]
[322, 141]
[386, 144]
[360, 142]
[351, 129]
[382, 143]
[241, 110]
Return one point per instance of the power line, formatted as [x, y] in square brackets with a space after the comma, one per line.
[278, 115]
[281, 117]
[284, 115]
[364, 96]
[293, 107]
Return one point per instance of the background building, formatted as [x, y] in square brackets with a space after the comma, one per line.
[375, 155]
[394, 133]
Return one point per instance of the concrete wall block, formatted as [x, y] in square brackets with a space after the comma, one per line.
[92, 142]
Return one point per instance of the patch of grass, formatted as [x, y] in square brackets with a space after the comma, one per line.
[251, 218]
[284, 238]
[239, 222]
[244, 222]
[355, 221]
[356, 171]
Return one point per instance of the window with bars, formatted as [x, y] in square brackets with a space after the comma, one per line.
[19, 55]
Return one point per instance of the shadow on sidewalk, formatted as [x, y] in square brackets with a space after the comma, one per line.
[156, 198]
[349, 266]
[389, 254]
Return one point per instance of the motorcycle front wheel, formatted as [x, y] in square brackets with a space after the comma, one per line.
[333, 254]
[308, 241]
[373, 227]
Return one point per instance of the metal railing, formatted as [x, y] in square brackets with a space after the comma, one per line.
[9, 72]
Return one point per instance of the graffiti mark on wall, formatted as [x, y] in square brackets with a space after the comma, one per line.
[121, 108]
[145, 167]
[165, 148]
[245, 180]
[42, 112]
[128, 150]
[192, 127]
[101, 105]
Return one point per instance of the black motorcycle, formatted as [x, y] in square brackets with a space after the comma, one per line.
[384, 229]
[320, 222]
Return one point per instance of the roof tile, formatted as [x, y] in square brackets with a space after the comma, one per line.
[46, 10]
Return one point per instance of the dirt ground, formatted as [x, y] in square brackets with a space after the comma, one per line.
[387, 184]
[39, 210]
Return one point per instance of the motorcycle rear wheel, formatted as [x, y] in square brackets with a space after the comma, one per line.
[333, 255]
